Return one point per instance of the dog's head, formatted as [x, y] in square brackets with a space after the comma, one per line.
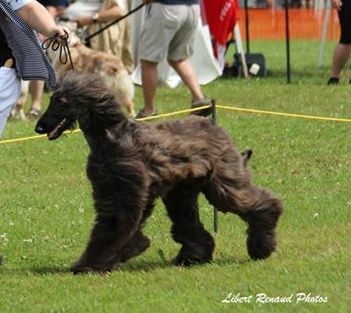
[77, 95]
[60, 115]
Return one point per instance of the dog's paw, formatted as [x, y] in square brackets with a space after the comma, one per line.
[261, 245]
[184, 261]
[190, 260]
[85, 269]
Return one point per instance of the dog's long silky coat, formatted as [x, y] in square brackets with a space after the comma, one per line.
[132, 163]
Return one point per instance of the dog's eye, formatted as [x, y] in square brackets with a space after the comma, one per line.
[58, 99]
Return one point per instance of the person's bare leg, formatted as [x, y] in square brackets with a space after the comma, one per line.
[149, 80]
[340, 57]
[187, 74]
[36, 88]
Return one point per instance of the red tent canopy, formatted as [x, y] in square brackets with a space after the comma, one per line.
[221, 16]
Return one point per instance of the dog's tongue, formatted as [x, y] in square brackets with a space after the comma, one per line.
[53, 134]
[56, 132]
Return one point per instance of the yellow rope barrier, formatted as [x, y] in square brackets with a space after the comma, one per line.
[173, 113]
[139, 119]
[33, 137]
[334, 119]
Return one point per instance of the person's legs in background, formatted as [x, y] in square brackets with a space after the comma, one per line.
[187, 74]
[169, 33]
[343, 50]
[36, 88]
[181, 48]
[340, 57]
[149, 80]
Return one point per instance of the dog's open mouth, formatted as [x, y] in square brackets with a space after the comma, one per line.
[59, 129]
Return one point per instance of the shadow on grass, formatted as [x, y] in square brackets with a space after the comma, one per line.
[38, 270]
[143, 266]
[226, 261]
[129, 267]
[47, 270]
[147, 266]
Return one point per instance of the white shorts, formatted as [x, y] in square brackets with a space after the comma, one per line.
[168, 32]
[10, 90]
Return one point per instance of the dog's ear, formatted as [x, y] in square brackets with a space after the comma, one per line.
[112, 70]
[246, 155]
[109, 67]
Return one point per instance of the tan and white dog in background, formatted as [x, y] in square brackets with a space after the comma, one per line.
[110, 67]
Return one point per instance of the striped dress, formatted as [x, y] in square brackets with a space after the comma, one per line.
[30, 59]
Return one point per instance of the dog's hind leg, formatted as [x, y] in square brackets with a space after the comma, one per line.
[187, 229]
[256, 206]
[262, 219]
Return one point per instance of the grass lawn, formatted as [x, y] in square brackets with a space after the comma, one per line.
[46, 208]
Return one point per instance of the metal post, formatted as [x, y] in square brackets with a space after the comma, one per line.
[215, 210]
[247, 26]
[287, 38]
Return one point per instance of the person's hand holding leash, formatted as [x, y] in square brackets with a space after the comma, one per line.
[59, 31]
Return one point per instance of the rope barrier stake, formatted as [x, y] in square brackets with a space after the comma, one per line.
[213, 111]
[214, 120]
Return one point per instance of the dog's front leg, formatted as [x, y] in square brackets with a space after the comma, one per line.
[109, 235]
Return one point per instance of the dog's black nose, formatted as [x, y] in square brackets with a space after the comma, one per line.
[39, 129]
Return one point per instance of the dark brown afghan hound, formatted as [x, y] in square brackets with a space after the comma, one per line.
[132, 163]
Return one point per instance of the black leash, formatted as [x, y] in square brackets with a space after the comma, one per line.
[59, 43]
[85, 40]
